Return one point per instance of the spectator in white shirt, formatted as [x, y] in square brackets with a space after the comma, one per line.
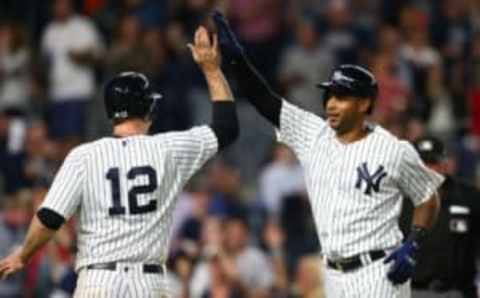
[304, 64]
[14, 68]
[72, 46]
[242, 264]
[281, 177]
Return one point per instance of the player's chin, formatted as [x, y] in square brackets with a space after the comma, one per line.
[334, 123]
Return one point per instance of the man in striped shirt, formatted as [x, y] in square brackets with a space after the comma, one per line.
[356, 175]
[123, 188]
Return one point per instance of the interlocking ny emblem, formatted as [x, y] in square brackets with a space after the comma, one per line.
[372, 181]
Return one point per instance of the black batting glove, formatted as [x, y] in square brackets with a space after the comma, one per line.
[231, 48]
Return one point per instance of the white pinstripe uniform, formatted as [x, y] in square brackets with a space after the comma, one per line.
[124, 191]
[356, 193]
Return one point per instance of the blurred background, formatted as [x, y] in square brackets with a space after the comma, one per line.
[56, 55]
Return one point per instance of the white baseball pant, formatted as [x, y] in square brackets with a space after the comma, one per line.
[369, 281]
[127, 281]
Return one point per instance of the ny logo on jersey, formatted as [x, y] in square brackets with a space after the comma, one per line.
[371, 180]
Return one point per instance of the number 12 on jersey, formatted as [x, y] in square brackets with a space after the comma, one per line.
[113, 175]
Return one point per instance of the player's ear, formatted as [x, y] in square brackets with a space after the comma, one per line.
[365, 104]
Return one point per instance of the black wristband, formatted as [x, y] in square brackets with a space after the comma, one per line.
[418, 234]
[225, 122]
[51, 219]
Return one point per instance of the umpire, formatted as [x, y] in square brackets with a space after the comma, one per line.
[446, 261]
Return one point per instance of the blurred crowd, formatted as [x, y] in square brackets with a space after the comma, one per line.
[243, 226]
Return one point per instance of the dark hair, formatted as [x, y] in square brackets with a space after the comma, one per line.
[240, 218]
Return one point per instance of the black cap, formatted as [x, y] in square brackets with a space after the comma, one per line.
[431, 149]
[351, 80]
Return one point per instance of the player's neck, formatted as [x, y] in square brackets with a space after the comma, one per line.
[353, 135]
[131, 127]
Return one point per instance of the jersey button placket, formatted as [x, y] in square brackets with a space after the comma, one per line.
[337, 173]
[336, 162]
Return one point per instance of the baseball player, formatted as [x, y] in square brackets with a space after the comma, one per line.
[124, 187]
[446, 267]
[356, 175]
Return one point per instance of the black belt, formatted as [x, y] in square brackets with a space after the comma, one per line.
[434, 285]
[112, 266]
[352, 263]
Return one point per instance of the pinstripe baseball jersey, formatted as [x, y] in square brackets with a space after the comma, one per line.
[124, 191]
[355, 189]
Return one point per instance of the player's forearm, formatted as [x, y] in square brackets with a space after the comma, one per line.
[38, 235]
[217, 85]
[258, 91]
[424, 215]
[224, 115]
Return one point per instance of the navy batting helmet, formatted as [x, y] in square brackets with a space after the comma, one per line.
[128, 95]
[351, 80]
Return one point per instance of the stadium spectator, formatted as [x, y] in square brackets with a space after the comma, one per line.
[304, 64]
[14, 217]
[127, 52]
[14, 67]
[339, 33]
[73, 47]
[281, 177]
[237, 264]
[422, 58]
[308, 282]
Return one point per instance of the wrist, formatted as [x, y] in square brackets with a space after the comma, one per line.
[211, 71]
[417, 235]
[22, 255]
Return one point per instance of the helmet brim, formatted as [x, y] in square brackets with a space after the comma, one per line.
[156, 96]
[334, 88]
[325, 85]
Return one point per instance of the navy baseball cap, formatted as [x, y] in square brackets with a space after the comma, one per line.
[431, 149]
[353, 80]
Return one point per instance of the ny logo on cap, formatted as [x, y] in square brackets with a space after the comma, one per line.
[120, 114]
[339, 76]
[372, 181]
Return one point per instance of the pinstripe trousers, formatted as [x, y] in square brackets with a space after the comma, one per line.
[369, 281]
[127, 281]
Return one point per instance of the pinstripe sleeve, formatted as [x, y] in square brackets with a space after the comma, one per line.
[191, 149]
[65, 193]
[416, 180]
[298, 128]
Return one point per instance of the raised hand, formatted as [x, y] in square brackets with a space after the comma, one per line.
[205, 52]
